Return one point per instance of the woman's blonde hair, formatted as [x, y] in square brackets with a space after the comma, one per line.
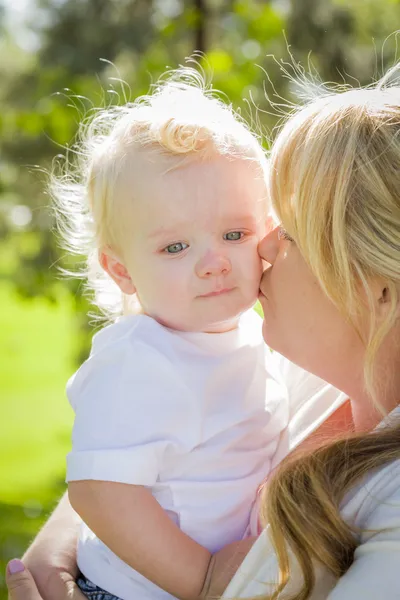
[335, 186]
[182, 118]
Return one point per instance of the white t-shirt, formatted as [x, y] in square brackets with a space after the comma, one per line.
[372, 507]
[194, 417]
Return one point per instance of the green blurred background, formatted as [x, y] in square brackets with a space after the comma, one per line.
[51, 72]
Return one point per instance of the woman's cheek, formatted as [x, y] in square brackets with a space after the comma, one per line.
[277, 305]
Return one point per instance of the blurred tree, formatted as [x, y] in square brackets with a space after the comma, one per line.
[136, 38]
[2, 17]
[200, 26]
[79, 32]
[325, 30]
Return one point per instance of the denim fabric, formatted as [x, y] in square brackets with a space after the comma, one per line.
[90, 590]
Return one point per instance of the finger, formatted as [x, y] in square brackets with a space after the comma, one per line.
[20, 583]
[62, 586]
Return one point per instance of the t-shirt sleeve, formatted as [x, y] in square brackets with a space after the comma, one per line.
[132, 412]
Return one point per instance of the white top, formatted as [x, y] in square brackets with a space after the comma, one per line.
[195, 417]
[373, 507]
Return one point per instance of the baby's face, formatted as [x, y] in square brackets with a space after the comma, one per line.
[193, 254]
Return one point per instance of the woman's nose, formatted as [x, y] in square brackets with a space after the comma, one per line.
[213, 265]
[269, 246]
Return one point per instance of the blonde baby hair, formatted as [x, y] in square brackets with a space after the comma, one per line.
[335, 186]
[182, 118]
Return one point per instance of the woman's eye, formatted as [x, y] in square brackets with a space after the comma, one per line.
[176, 248]
[233, 236]
[283, 235]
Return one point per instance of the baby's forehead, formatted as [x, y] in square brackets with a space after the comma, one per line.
[163, 191]
[152, 170]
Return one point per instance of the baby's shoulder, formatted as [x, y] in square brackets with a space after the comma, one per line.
[127, 330]
[131, 333]
[132, 351]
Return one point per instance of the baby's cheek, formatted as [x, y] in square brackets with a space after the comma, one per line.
[257, 265]
[252, 277]
[174, 296]
[250, 262]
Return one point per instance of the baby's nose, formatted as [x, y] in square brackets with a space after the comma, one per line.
[213, 265]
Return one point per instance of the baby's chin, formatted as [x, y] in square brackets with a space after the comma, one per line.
[222, 318]
[209, 315]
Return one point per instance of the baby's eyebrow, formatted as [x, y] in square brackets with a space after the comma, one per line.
[227, 220]
[249, 220]
[161, 231]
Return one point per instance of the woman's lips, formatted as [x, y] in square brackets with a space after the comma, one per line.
[261, 295]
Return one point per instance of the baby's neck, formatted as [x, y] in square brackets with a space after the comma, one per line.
[222, 327]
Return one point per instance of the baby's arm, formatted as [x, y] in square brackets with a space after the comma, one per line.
[134, 526]
[129, 426]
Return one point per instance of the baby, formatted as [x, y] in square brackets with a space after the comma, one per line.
[177, 410]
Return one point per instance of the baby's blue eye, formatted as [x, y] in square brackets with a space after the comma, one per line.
[233, 236]
[176, 248]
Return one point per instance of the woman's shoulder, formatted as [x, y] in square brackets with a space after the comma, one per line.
[374, 503]
[373, 508]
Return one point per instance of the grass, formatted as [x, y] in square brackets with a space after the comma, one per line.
[36, 345]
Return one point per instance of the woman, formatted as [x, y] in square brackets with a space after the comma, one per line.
[331, 304]
[334, 281]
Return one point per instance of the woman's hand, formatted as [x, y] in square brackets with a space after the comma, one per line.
[51, 559]
[21, 585]
[61, 584]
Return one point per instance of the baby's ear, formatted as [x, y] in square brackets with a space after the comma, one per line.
[112, 264]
